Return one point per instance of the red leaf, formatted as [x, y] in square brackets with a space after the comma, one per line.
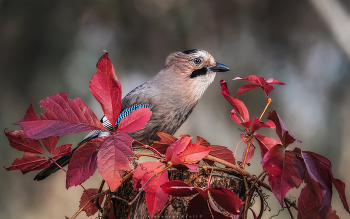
[265, 143]
[257, 124]
[226, 199]
[272, 81]
[177, 147]
[286, 137]
[62, 117]
[83, 164]
[309, 209]
[90, 208]
[156, 198]
[142, 169]
[106, 88]
[284, 171]
[246, 88]
[63, 150]
[135, 120]
[202, 141]
[251, 78]
[202, 207]
[238, 105]
[50, 143]
[340, 186]
[216, 212]
[193, 153]
[258, 82]
[198, 208]
[178, 188]
[29, 162]
[114, 157]
[20, 142]
[166, 141]
[222, 152]
[319, 179]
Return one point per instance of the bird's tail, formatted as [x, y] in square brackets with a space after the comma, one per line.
[63, 161]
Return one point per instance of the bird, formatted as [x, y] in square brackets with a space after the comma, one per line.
[171, 96]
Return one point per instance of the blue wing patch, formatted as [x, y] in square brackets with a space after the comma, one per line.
[127, 111]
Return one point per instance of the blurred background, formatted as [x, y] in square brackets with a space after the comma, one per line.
[51, 47]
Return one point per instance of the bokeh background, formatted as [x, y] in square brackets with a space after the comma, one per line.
[50, 47]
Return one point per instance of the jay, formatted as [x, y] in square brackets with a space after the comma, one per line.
[171, 95]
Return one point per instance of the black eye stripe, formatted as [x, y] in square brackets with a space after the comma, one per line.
[198, 72]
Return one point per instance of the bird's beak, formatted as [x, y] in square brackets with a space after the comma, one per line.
[219, 68]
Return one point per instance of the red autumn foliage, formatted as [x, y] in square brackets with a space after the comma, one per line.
[83, 163]
[106, 88]
[62, 117]
[135, 120]
[257, 82]
[31, 161]
[90, 209]
[113, 158]
[112, 154]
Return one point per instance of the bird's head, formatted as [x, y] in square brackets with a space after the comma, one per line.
[191, 72]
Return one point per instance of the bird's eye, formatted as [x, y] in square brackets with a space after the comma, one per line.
[197, 61]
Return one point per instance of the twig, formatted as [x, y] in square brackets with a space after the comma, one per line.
[261, 204]
[234, 155]
[267, 105]
[147, 147]
[96, 203]
[291, 215]
[228, 164]
[147, 155]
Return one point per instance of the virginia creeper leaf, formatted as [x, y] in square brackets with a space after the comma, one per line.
[166, 141]
[20, 142]
[113, 158]
[340, 186]
[142, 169]
[265, 143]
[106, 88]
[63, 150]
[135, 120]
[309, 209]
[156, 198]
[202, 141]
[62, 117]
[198, 208]
[83, 164]
[221, 152]
[258, 82]
[29, 162]
[177, 147]
[50, 143]
[238, 105]
[193, 153]
[227, 199]
[90, 209]
[216, 212]
[286, 137]
[284, 171]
